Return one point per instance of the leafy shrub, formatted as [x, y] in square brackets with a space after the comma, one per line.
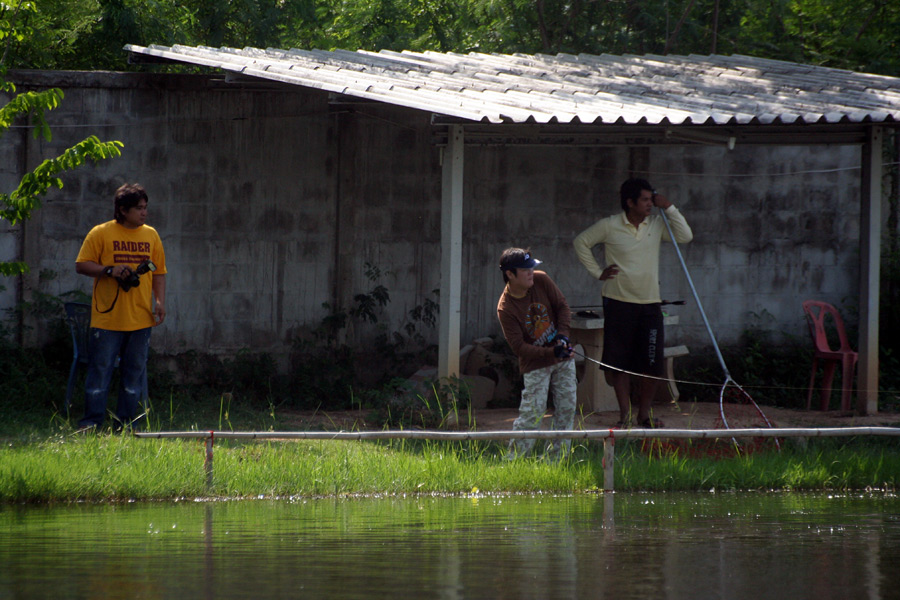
[332, 375]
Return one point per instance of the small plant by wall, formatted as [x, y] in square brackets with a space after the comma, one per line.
[327, 373]
[438, 403]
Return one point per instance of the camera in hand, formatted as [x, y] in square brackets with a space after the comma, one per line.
[132, 279]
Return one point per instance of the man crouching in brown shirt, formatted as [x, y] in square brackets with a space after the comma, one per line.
[535, 319]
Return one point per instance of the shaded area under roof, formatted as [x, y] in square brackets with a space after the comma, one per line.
[636, 99]
[605, 89]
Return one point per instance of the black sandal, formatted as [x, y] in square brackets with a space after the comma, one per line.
[651, 423]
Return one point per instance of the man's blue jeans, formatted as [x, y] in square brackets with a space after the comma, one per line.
[131, 347]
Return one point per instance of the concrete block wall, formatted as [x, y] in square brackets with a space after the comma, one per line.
[271, 201]
[773, 226]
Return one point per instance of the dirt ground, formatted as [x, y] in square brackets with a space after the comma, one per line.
[681, 415]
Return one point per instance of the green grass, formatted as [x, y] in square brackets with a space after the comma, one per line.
[118, 468]
[833, 464]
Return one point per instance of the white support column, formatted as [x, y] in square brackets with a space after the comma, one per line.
[869, 272]
[451, 253]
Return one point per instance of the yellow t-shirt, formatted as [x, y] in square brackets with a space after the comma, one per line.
[112, 244]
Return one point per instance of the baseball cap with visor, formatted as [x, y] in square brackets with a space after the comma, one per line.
[518, 259]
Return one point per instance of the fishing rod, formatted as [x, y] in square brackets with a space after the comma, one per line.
[728, 377]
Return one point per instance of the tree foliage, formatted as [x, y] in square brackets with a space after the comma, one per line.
[18, 205]
[90, 34]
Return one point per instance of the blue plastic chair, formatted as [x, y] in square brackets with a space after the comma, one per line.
[78, 316]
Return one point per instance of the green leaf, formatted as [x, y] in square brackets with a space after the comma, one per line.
[18, 205]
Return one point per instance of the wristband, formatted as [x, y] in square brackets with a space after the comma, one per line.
[108, 271]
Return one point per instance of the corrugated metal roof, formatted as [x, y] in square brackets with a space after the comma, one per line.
[496, 88]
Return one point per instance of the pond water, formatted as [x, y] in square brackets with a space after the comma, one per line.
[746, 545]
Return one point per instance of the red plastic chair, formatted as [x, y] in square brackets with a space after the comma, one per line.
[816, 314]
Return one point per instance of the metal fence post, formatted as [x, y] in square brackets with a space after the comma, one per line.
[209, 460]
[609, 444]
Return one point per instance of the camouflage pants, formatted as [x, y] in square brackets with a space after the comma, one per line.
[560, 379]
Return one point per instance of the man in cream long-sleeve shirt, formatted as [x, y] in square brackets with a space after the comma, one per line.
[633, 337]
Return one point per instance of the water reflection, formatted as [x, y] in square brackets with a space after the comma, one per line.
[612, 546]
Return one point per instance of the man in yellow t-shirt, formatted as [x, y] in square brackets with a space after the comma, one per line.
[125, 257]
[633, 338]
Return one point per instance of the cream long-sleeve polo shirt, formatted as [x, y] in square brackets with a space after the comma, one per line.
[635, 250]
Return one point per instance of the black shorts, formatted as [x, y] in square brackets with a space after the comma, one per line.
[633, 337]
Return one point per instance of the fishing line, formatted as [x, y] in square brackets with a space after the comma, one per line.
[788, 388]
[644, 375]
